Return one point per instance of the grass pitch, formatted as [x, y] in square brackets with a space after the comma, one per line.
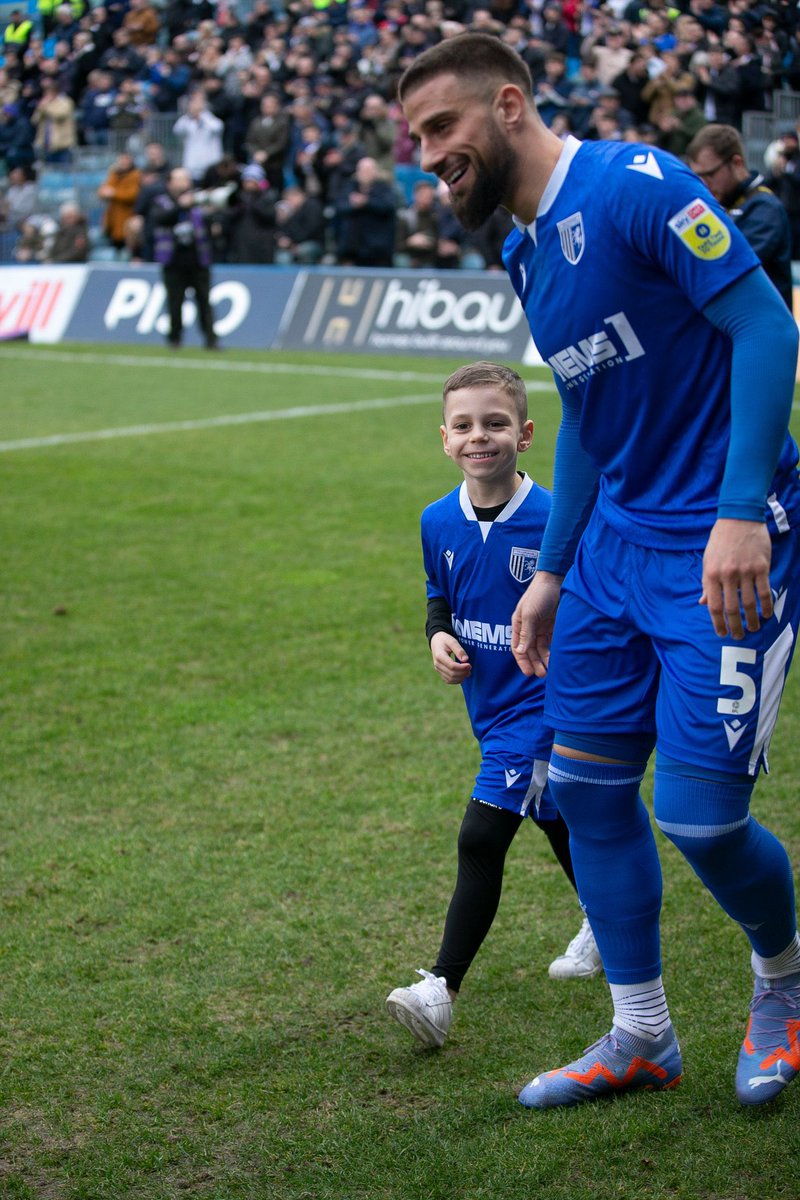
[230, 788]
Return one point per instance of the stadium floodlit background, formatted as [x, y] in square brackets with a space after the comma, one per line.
[231, 784]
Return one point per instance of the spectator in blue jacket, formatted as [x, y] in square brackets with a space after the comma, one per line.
[716, 155]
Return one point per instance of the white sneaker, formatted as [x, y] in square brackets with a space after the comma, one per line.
[425, 1008]
[581, 959]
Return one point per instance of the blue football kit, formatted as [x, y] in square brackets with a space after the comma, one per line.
[626, 252]
[481, 568]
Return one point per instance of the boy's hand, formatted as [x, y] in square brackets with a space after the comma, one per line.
[450, 659]
[532, 623]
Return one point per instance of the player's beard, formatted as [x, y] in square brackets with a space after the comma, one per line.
[494, 174]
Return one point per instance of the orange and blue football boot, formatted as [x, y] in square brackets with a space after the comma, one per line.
[619, 1062]
[770, 1053]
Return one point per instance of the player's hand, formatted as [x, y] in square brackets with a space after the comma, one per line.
[450, 659]
[532, 623]
[736, 576]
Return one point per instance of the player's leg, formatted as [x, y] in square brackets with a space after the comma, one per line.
[603, 677]
[705, 773]
[581, 959]
[486, 833]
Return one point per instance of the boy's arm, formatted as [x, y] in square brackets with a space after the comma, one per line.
[450, 659]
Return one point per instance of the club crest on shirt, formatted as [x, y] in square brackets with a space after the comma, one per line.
[572, 236]
[701, 231]
[522, 563]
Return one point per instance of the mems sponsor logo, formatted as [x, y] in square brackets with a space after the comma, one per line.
[488, 635]
[614, 344]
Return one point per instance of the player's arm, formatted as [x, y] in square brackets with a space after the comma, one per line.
[737, 557]
[450, 659]
[575, 481]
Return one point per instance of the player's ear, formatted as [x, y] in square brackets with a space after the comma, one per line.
[510, 105]
[525, 437]
[445, 442]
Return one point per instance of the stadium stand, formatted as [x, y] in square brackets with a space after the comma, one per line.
[334, 67]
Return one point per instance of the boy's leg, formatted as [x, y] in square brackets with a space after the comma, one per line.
[483, 841]
[486, 833]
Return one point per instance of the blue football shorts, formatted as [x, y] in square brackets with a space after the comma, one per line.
[634, 652]
[515, 782]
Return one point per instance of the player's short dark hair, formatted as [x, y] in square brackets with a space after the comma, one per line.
[488, 374]
[479, 58]
[724, 140]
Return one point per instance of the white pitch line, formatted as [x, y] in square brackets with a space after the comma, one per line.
[179, 362]
[279, 414]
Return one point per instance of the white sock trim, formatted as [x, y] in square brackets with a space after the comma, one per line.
[641, 1008]
[785, 963]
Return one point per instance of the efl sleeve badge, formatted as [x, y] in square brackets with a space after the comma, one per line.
[701, 231]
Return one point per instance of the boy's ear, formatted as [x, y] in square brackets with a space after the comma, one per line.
[525, 437]
[445, 443]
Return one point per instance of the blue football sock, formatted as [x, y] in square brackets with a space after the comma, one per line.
[615, 861]
[746, 869]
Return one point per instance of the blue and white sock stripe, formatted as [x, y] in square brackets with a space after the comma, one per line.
[585, 771]
[684, 829]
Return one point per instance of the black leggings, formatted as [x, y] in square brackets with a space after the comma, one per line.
[483, 841]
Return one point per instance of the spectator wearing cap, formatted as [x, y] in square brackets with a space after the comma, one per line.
[712, 16]
[418, 228]
[612, 54]
[16, 137]
[267, 139]
[311, 142]
[21, 199]
[18, 31]
[300, 229]
[95, 108]
[719, 86]
[783, 178]
[677, 129]
[377, 132]
[717, 156]
[586, 89]
[54, 118]
[167, 76]
[552, 28]
[368, 216]
[551, 94]
[772, 46]
[70, 243]
[122, 58]
[251, 219]
[336, 164]
[751, 96]
[629, 85]
[659, 93]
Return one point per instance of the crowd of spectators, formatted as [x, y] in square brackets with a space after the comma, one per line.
[284, 112]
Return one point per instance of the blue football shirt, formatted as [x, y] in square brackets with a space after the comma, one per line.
[626, 250]
[481, 568]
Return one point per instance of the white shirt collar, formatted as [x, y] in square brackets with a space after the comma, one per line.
[571, 148]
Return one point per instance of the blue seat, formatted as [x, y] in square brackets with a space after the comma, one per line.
[407, 174]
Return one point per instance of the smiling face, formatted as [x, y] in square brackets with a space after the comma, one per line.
[483, 433]
[463, 142]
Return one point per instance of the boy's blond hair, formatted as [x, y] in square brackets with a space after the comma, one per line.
[488, 374]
